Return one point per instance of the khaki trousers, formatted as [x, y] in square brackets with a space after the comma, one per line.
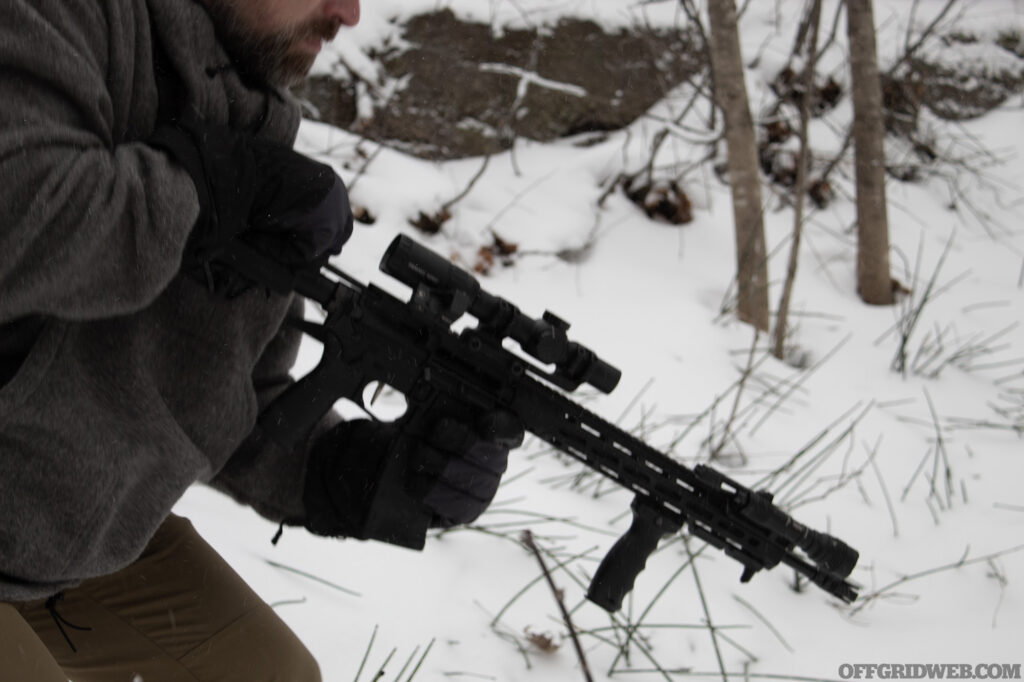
[178, 614]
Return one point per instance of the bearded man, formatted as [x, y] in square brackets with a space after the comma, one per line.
[139, 139]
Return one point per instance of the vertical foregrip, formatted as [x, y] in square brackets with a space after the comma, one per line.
[618, 571]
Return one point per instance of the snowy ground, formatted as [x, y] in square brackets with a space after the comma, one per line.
[918, 472]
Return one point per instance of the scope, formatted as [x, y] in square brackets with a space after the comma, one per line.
[544, 339]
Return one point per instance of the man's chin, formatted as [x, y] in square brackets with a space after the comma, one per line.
[270, 65]
[291, 70]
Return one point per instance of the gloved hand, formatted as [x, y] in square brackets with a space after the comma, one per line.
[452, 474]
[269, 196]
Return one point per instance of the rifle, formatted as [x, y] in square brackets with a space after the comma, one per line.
[371, 336]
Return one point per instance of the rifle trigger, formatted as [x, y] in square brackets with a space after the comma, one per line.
[312, 329]
[376, 393]
[748, 573]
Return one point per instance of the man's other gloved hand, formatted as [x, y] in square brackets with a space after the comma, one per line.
[471, 462]
[270, 196]
[453, 472]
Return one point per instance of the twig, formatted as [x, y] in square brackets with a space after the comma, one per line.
[885, 495]
[287, 602]
[707, 612]
[526, 588]
[527, 539]
[769, 479]
[408, 662]
[940, 450]
[786, 677]
[634, 627]
[726, 429]
[813, 21]
[913, 309]
[508, 636]
[366, 654]
[1001, 579]
[351, 184]
[771, 628]
[963, 561]
[446, 206]
[800, 476]
[312, 577]
[384, 665]
[419, 663]
[909, 53]
[804, 376]
[917, 472]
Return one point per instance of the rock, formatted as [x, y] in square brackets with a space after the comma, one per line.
[466, 92]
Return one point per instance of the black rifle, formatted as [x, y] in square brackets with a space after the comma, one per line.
[371, 336]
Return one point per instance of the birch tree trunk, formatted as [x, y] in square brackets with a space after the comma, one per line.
[744, 173]
[874, 279]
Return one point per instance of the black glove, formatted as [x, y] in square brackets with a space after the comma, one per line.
[452, 474]
[269, 196]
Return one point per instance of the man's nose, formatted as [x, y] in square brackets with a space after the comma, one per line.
[344, 11]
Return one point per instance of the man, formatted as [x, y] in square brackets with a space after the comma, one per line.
[139, 141]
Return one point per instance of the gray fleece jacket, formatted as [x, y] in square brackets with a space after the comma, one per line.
[136, 382]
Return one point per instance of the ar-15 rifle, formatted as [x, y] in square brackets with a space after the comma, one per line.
[371, 336]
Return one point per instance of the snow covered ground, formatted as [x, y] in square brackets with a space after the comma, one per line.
[918, 472]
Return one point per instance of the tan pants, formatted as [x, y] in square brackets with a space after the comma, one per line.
[178, 614]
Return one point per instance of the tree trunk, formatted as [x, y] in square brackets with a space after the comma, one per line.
[874, 280]
[744, 173]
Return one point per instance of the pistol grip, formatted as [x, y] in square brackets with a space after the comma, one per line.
[619, 569]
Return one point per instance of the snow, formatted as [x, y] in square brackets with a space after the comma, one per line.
[648, 297]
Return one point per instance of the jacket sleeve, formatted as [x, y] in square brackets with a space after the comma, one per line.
[92, 227]
[260, 473]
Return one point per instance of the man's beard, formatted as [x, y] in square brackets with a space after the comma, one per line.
[273, 59]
